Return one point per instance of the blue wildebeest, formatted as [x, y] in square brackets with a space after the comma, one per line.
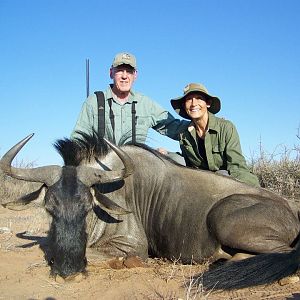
[131, 201]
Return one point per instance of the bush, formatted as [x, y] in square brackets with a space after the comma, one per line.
[279, 175]
[11, 189]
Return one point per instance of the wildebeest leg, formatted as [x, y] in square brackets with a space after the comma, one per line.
[116, 239]
[253, 224]
[256, 225]
[240, 256]
[221, 254]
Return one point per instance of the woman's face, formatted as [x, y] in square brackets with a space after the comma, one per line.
[196, 105]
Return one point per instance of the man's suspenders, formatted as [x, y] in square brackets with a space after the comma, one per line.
[133, 121]
[101, 113]
[112, 119]
[101, 117]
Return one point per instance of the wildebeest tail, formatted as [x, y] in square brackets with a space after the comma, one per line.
[257, 270]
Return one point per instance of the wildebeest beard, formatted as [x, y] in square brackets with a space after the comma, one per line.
[68, 202]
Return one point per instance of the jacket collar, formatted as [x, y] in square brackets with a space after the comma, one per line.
[212, 124]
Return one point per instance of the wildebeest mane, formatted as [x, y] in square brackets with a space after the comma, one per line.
[158, 154]
[86, 146]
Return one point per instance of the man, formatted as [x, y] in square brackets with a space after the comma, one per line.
[210, 143]
[126, 111]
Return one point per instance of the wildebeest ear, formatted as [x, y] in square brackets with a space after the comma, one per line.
[106, 204]
[22, 202]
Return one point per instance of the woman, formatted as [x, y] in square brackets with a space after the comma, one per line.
[210, 143]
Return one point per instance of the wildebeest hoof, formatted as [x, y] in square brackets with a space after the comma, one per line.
[116, 263]
[134, 262]
[240, 256]
[220, 254]
[129, 262]
[289, 280]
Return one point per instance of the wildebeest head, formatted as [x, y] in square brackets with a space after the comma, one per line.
[69, 197]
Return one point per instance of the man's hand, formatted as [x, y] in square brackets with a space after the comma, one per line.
[162, 151]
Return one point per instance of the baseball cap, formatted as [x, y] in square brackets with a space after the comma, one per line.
[124, 58]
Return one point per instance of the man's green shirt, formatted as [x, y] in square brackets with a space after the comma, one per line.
[148, 115]
[222, 148]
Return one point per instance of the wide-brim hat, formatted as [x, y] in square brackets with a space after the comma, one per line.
[178, 103]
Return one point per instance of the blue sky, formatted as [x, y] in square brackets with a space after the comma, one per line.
[245, 52]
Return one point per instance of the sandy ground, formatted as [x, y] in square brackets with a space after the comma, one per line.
[25, 274]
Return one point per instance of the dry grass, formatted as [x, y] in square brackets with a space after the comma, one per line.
[279, 171]
[177, 272]
[11, 189]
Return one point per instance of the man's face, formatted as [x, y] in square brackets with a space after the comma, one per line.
[123, 77]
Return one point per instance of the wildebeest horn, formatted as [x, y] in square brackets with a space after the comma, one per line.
[47, 175]
[128, 165]
[92, 176]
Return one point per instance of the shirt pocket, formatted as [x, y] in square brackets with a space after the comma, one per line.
[218, 148]
[143, 122]
[115, 117]
[218, 152]
[141, 126]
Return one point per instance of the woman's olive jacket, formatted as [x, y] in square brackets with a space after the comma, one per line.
[223, 150]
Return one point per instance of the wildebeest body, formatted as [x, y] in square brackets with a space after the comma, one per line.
[175, 212]
[170, 205]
